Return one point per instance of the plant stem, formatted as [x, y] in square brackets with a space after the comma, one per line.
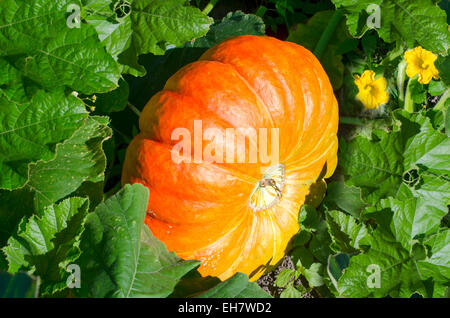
[441, 103]
[134, 109]
[210, 6]
[401, 81]
[409, 103]
[352, 121]
[327, 33]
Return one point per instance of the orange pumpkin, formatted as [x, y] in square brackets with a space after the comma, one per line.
[235, 215]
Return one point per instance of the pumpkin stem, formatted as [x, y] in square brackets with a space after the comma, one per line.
[268, 191]
[270, 182]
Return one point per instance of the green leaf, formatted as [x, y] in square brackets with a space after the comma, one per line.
[369, 43]
[284, 277]
[336, 265]
[113, 101]
[443, 66]
[385, 269]
[341, 196]
[159, 24]
[301, 256]
[412, 218]
[114, 33]
[19, 285]
[12, 83]
[447, 120]
[373, 165]
[38, 41]
[309, 218]
[345, 232]
[417, 91]
[420, 21]
[301, 238]
[313, 275]
[437, 266]
[36, 236]
[121, 257]
[320, 246]
[53, 266]
[79, 159]
[233, 24]
[237, 286]
[381, 166]
[29, 132]
[291, 292]
[436, 88]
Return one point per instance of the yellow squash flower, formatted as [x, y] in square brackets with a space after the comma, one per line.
[421, 61]
[371, 92]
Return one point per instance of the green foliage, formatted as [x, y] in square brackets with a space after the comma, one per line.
[380, 165]
[44, 244]
[30, 132]
[420, 21]
[37, 42]
[69, 95]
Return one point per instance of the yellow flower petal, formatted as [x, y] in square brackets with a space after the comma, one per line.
[372, 93]
[421, 62]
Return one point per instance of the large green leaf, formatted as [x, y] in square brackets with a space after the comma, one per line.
[36, 236]
[373, 165]
[418, 21]
[412, 218]
[437, 265]
[37, 39]
[158, 25]
[79, 159]
[12, 84]
[404, 261]
[345, 232]
[412, 160]
[114, 33]
[30, 132]
[427, 148]
[341, 196]
[398, 273]
[121, 257]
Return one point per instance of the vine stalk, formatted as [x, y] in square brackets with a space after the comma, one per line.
[327, 33]
[441, 103]
[210, 6]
